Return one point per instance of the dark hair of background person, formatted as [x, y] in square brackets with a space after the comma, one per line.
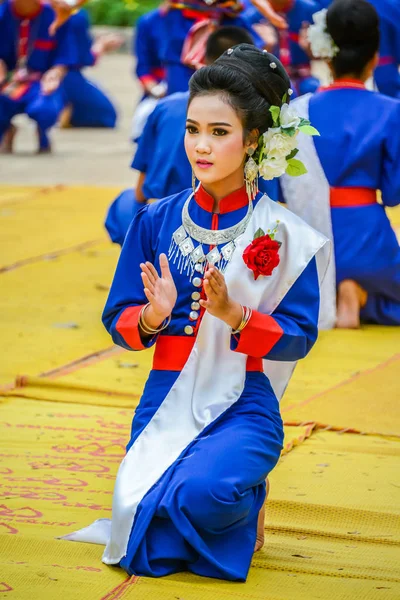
[224, 38]
[250, 80]
[354, 27]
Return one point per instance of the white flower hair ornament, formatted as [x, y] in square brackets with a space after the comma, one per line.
[321, 42]
[277, 148]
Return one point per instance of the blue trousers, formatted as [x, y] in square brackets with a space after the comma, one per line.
[42, 109]
[91, 106]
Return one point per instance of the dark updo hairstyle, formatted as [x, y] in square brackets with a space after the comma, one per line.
[250, 81]
[354, 27]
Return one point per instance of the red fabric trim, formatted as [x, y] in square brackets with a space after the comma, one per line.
[386, 60]
[352, 196]
[128, 326]
[235, 200]
[294, 37]
[341, 84]
[24, 31]
[259, 336]
[45, 45]
[195, 15]
[146, 79]
[158, 73]
[172, 353]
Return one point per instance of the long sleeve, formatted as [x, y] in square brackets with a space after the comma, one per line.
[292, 329]
[126, 297]
[148, 66]
[73, 48]
[390, 185]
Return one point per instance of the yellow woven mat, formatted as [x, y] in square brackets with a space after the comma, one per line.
[332, 527]
[341, 383]
[50, 313]
[38, 222]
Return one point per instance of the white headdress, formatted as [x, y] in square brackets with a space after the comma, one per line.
[321, 42]
[277, 147]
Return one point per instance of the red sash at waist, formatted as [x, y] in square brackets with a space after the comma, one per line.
[172, 352]
[352, 196]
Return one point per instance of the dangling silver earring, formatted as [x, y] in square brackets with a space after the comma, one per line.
[193, 181]
[251, 175]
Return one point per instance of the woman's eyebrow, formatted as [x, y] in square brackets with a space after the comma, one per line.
[210, 124]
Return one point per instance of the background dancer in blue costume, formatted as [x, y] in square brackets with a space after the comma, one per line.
[33, 65]
[160, 157]
[87, 104]
[359, 151]
[229, 295]
[186, 27]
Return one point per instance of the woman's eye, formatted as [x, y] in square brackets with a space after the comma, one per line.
[220, 132]
[191, 129]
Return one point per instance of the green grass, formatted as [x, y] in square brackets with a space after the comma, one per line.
[119, 12]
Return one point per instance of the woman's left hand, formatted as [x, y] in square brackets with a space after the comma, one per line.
[218, 302]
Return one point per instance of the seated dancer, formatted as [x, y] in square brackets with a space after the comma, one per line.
[149, 67]
[32, 67]
[185, 29]
[292, 55]
[357, 153]
[207, 430]
[160, 157]
[87, 105]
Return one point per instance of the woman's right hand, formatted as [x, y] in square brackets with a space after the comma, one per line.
[160, 291]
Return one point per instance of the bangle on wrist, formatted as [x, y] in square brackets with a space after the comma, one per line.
[146, 328]
[246, 316]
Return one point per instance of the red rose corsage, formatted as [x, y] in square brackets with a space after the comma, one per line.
[262, 255]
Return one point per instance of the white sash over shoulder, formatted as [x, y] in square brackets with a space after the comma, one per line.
[308, 197]
[202, 392]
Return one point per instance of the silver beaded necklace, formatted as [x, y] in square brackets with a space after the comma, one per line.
[191, 258]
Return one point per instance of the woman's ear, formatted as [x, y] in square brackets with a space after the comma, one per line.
[252, 139]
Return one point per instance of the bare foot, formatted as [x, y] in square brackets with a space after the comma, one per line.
[261, 524]
[351, 298]
[45, 150]
[7, 144]
[65, 117]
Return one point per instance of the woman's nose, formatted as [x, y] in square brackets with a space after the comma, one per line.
[202, 146]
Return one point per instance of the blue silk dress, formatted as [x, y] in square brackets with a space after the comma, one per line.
[201, 516]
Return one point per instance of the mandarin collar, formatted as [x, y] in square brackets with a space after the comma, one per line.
[234, 201]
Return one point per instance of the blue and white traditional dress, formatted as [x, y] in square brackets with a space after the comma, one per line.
[207, 430]
[27, 48]
[161, 156]
[91, 107]
[355, 156]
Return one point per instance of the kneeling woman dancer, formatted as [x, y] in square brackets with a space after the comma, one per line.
[218, 279]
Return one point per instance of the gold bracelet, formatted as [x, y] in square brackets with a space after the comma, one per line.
[146, 328]
[246, 316]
